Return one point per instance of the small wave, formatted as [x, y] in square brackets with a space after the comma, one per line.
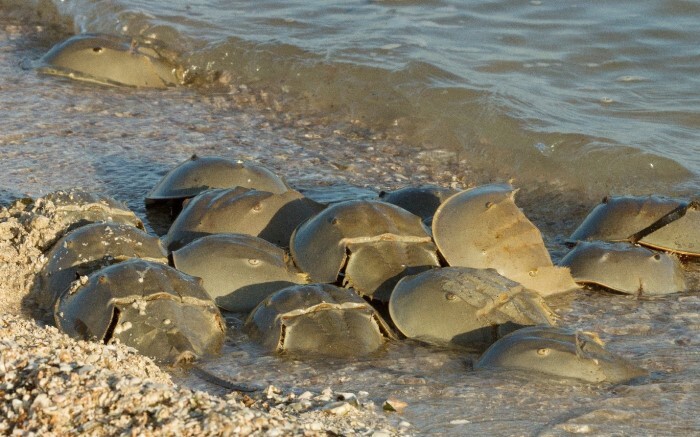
[419, 103]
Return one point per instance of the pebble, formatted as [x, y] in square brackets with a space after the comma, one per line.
[338, 408]
[392, 404]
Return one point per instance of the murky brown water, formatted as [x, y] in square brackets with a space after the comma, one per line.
[55, 133]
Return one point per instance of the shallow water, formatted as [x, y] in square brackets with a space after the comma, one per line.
[56, 133]
[601, 95]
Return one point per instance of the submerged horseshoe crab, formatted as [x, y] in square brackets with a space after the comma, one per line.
[625, 267]
[150, 306]
[108, 60]
[464, 306]
[483, 228]
[373, 244]
[559, 352]
[272, 217]
[202, 173]
[659, 222]
[317, 319]
[421, 201]
[238, 271]
[90, 248]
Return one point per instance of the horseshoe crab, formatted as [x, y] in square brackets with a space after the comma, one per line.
[560, 352]
[108, 60]
[464, 306]
[77, 208]
[239, 271]
[90, 248]
[421, 201]
[655, 221]
[202, 173]
[272, 217]
[483, 228]
[318, 319]
[150, 306]
[625, 267]
[373, 244]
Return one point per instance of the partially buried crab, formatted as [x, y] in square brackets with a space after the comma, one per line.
[464, 306]
[658, 222]
[362, 244]
[317, 319]
[558, 352]
[150, 306]
[239, 271]
[270, 216]
[88, 249]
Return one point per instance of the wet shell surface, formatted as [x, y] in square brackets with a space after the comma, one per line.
[625, 267]
[372, 244]
[202, 173]
[272, 217]
[619, 218]
[483, 228]
[77, 208]
[317, 319]
[150, 306]
[559, 352]
[88, 249]
[422, 201]
[464, 306]
[238, 271]
[108, 60]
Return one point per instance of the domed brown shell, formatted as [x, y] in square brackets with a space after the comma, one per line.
[483, 228]
[90, 248]
[372, 243]
[77, 207]
[559, 352]
[272, 217]
[422, 201]
[317, 319]
[619, 218]
[109, 60]
[464, 306]
[150, 306]
[238, 271]
[625, 267]
[202, 173]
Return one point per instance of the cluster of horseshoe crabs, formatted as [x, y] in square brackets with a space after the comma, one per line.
[631, 244]
[461, 268]
[464, 268]
[107, 280]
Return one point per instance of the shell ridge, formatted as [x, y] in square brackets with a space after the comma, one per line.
[671, 216]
